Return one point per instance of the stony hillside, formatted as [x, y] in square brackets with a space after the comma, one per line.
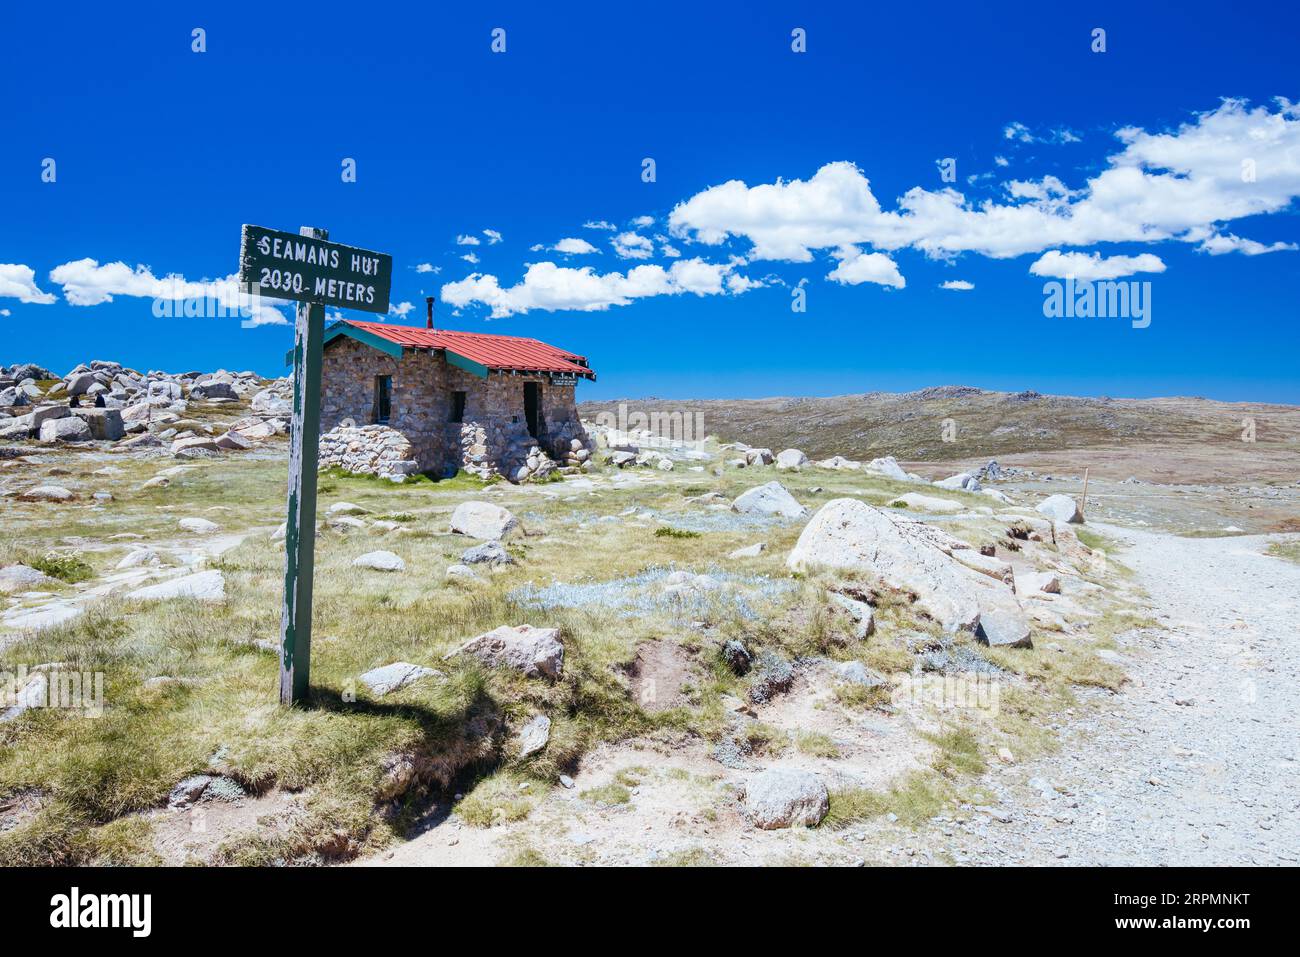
[911, 425]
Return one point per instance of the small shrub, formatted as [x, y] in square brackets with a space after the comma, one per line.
[67, 568]
[663, 531]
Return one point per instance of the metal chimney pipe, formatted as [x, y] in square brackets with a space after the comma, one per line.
[428, 303]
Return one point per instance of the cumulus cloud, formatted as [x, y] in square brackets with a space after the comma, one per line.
[1086, 268]
[493, 236]
[471, 258]
[87, 283]
[570, 246]
[633, 246]
[857, 267]
[5, 312]
[641, 222]
[466, 240]
[1158, 186]
[550, 287]
[599, 224]
[1221, 243]
[400, 309]
[19, 282]
[428, 267]
[959, 284]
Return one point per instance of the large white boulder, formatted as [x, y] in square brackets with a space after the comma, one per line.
[791, 459]
[769, 499]
[484, 520]
[912, 557]
[782, 797]
[961, 482]
[533, 651]
[1061, 508]
[888, 467]
[380, 561]
[21, 578]
[47, 493]
[67, 429]
[205, 586]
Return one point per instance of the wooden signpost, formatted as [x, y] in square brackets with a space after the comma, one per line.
[315, 273]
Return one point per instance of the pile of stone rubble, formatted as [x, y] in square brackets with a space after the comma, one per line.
[108, 402]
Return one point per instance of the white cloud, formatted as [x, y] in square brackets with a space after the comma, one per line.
[19, 282]
[1157, 187]
[549, 287]
[633, 246]
[599, 224]
[1221, 243]
[670, 251]
[5, 312]
[959, 284]
[465, 240]
[86, 283]
[470, 258]
[857, 267]
[400, 309]
[493, 236]
[641, 222]
[1001, 161]
[428, 267]
[1087, 268]
[570, 246]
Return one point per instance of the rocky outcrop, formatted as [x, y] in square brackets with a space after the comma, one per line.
[912, 557]
[1061, 508]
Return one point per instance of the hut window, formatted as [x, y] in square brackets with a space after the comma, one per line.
[457, 407]
[383, 398]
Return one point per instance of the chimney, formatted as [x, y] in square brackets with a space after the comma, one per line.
[428, 303]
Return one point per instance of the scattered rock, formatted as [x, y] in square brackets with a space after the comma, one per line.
[1038, 581]
[200, 526]
[1061, 508]
[791, 459]
[769, 499]
[68, 429]
[489, 553]
[22, 578]
[782, 797]
[209, 586]
[390, 678]
[533, 736]
[381, 561]
[749, 551]
[47, 493]
[533, 651]
[484, 520]
[928, 503]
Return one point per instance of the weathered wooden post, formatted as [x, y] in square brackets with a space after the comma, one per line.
[316, 273]
[300, 527]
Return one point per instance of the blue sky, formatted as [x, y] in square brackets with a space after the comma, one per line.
[1066, 161]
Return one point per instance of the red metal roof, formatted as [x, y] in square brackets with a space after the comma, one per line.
[508, 353]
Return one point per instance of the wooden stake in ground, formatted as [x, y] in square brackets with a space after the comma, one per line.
[1083, 502]
[300, 527]
[316, 273]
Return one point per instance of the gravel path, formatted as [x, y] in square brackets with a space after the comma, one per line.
[1197, 761]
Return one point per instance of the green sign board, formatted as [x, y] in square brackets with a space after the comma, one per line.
[306, 269]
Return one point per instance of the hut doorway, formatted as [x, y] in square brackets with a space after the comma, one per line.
[533, 408]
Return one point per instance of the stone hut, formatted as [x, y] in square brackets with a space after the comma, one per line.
[401, 399]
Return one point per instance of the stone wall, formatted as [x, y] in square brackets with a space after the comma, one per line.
[491, 439]
[375, 449]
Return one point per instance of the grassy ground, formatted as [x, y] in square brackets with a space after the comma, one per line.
[92, 782]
